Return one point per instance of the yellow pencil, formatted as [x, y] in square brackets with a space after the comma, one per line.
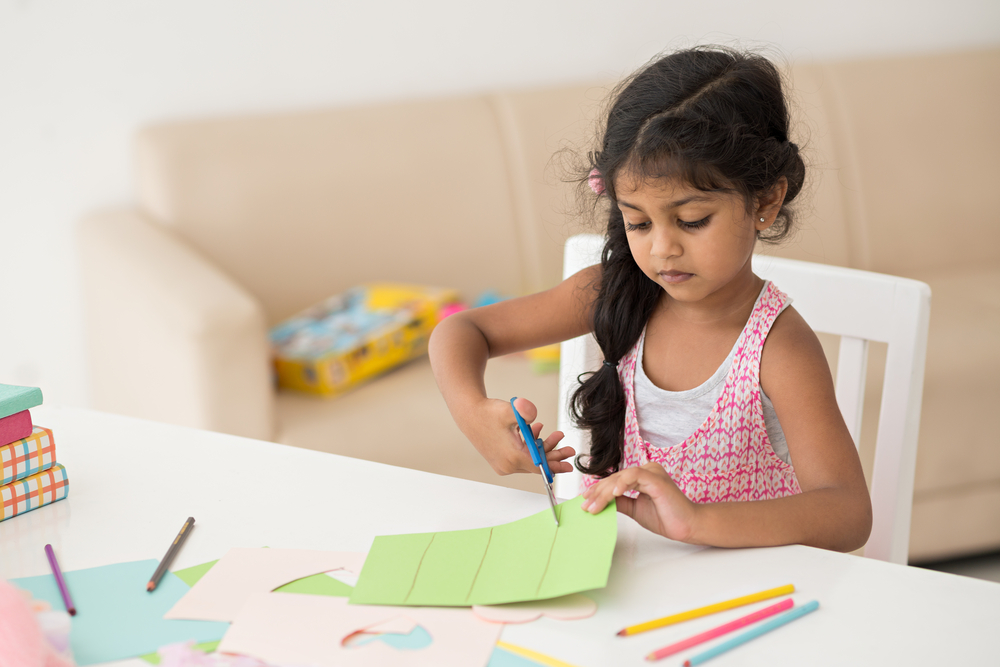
[705, 611]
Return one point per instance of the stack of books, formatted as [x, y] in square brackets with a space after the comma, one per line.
[30, 476]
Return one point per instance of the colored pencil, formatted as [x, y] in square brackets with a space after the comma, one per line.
[171, 552]
[709, 609]
[777, 622]
[721, 630]
[60, 582]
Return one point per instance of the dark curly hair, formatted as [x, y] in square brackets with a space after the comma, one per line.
[716, 119]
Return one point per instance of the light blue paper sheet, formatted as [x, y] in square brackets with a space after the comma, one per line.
[502, 658]
[116, 618]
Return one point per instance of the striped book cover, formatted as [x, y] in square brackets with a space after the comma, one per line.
[32, 492]
[26, 457]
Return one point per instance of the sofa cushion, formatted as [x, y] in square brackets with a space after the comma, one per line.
[957, 449]
[297, 207]
[548, 134]
[400, 419]
[821, 232]
[959, 443]
[955, 522]
[917, 146]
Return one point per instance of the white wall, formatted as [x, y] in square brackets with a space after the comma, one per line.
[77, 79]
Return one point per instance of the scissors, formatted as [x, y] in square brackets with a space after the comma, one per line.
[537, 451]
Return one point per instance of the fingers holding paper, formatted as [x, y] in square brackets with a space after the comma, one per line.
[660, 506]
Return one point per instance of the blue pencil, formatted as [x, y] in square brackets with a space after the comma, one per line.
[761, 629]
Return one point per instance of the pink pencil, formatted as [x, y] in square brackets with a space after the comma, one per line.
[721, 630]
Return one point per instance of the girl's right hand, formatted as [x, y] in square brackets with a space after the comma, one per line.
[498, 438]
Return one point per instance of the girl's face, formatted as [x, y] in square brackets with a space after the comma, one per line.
[693, 244]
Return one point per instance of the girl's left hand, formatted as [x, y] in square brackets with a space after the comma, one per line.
[661, 507]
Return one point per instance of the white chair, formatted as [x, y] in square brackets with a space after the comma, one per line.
[858, 306]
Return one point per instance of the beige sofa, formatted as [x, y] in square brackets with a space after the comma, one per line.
[240, 222]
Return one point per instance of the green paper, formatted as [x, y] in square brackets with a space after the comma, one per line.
[116, 617]
[530, 559]
[192, 575]
[317, 584]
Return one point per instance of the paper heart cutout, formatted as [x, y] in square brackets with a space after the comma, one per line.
[566, 608]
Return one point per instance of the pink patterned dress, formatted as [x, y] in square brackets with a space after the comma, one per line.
[729, 457]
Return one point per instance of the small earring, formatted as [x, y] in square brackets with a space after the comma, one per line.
[762, 219]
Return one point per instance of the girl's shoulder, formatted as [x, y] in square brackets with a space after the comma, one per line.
[579, 292]
[795, 376]
[585, 284]
[792, 354]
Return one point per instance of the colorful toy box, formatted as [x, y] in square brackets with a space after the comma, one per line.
[357, 335]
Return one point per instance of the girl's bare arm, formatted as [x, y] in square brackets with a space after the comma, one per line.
[461, 344]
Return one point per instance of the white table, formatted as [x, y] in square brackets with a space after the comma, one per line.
[132, 484]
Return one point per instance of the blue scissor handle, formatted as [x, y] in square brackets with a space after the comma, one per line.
[535, 447]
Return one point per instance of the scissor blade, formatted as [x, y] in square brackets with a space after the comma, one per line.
[552, 499]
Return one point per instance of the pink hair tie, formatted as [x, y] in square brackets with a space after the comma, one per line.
[596, 182]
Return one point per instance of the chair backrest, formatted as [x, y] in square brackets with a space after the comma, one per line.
[858, 306]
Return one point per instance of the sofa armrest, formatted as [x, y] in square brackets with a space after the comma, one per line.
[170, 336]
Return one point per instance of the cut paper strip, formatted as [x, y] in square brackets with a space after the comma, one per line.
[566, 608]
[117, 618]
[286, 628]
[221, 591]
[530, 559]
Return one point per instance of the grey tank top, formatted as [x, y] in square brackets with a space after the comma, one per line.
[668, 418]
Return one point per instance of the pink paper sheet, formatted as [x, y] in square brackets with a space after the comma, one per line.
[290, 628]
[219, 595]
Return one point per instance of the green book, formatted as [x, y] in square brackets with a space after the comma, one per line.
[14, 399]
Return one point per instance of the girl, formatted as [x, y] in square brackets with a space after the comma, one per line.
[713, 418]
